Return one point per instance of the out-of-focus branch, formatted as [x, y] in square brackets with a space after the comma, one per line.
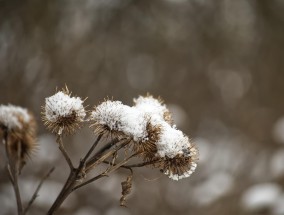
[13, 167]
[35, 195]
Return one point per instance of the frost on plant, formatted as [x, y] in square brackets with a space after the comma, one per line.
[62, 112]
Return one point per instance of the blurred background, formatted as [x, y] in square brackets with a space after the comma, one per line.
[217, 64]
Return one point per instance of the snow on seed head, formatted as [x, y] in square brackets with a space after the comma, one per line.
[181, 166]
[13, 117]
[63, 112]
[19, 126]
[150, 105]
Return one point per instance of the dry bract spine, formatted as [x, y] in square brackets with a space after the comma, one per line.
[63, 113]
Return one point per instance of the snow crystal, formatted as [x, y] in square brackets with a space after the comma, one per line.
[62, 105]
[11, 116]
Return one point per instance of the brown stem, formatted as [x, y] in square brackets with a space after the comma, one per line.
[37, 190]
[98, 158]
[105, 173]
[64, 152]
[75, 175]
[91, 149]
[13, 166]
[64, 193]
[16, 186]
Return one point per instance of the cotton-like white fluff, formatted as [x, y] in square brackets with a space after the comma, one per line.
[13, 116]
[172, 142]
[119, 117]
[186, 174]
[62, 105]
[150, 106]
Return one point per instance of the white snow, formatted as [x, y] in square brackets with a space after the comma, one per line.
[11, 115]
[62, 105]
[172, 142]
[150, 105]
[122, 118]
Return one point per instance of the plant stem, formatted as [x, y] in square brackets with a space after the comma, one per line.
[75, 175]
[13, 166]
[37, 190]
[64, 152]
[64, 193]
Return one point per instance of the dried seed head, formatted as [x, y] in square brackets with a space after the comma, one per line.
[63, 113]
[147, 147]
[106, 118]
[13, 117]
[182, 165]
[171, 142]
[21, 131]
[152, 106]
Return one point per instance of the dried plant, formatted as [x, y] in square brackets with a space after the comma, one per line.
[145, 130]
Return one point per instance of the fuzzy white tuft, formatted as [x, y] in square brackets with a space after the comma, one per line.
[172, 142]
[62, 105]
[119, 117]
[150, 105]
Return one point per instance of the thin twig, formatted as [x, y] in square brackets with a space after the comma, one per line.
[16, 171]
[97, 160]
[8, 168]
[134, 165]
[64, 152]
[13, 169]
[105, 173]
[83, 161]
[89, 181]
[108, 146]
[35, 195]
[143, 164]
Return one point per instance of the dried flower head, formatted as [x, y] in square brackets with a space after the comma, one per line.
[153, 137]
[112, 117]
[63, 112]
[172, 141]
[106, 118]
[182, 165]
[147, 147]
[20, 128]
[152, 106]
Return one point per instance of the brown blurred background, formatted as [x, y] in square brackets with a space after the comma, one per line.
[217, 64]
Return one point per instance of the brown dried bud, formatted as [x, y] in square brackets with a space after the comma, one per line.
[126, 189]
